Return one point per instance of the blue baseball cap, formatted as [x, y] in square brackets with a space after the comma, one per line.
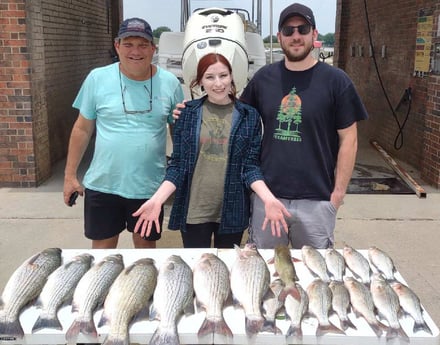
[135, 27]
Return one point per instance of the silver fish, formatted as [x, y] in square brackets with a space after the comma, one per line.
[362, 304]
[296, 309]
[357, 263]
[410, 303]
[59, 290]
[24, 286]
[128, 296]
[90, 293]
[173, 295]
[250, 280]
[335, 263]
[315, 262]
[382, 262]
[341, 303]
[212, 289]
[320, 302]
[388, 306]
[272, 305]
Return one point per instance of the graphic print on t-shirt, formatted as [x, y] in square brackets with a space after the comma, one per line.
[289, 118]
[214, 146]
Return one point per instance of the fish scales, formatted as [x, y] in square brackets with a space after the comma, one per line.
[335, 263]
[382, 262]
[271, 306]
[357, 263]
[341, 303]
[296, 309]
[315, 262]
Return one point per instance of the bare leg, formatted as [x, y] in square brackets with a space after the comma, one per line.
[108, 243]
[139, 242]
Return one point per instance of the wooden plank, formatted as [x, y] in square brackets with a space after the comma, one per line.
[420, 192]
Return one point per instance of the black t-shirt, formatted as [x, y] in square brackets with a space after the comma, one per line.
[301, 112]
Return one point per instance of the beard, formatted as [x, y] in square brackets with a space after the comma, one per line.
[296, 57]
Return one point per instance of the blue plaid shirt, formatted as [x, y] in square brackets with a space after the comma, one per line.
[242, 168]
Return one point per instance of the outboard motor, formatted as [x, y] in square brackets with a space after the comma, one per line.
[215, 30]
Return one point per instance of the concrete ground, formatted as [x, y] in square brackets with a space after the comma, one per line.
[405, 226]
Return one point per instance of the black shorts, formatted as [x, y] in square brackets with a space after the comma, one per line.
[107, 215]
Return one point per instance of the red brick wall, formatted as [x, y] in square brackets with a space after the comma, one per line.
[46, 49]
[392, 24]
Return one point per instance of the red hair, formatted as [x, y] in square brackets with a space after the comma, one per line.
[208, 60]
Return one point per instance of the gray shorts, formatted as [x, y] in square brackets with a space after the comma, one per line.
[312, 223]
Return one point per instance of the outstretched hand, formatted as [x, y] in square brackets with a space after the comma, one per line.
[148, 215]
[275, 213]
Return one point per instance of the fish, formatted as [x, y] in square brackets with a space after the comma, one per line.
[382, 262]
[388, 306]
[250, 280]
[335, 264]
[410, 303]
[363, 305]
[90, 294]
[296, 310]
[173, 296]
[341, 303]
[272, 305]
[128, 296]
[357, 263]
[315, 262]
[285, 270]
[212, 290]
[23, 287]
[59, 289]
[320, 302]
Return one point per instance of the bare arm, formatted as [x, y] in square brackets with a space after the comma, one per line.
[345, 163]
[274, 209]
[79, 140]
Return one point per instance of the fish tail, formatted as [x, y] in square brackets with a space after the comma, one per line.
[345, 324]
[421, 326]
[295, 331]
[112, 340]
[85, 327]
[12, 329]
[398, 332]
[165, 336]
[269, 326]
[330, 328]
[215, 326]
[45, 321]
[253, 326]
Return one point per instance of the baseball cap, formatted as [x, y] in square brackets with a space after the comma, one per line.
[135, 27]
[296, 10]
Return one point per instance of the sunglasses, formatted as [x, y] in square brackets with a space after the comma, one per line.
[150, 94]
[302, 29]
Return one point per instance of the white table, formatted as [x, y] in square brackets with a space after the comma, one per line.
[141, 331]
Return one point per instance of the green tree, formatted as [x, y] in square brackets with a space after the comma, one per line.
[327, 39]
[158, 31]
[267, 39]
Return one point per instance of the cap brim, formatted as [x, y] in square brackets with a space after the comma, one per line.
[136, 34]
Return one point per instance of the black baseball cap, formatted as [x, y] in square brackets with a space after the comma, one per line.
[296, 10]
[135, 27]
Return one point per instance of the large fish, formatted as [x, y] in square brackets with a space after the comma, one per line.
[296, 309]
[250, 280]
[272, 303]
[410, 303]
[341, 303]
[128, 295]
[335, 264]
[212, 289]
[24, 286]
[90, 293]
[285, 270]
[388, 306]
[59, 290]
[320, 303]
[174, 295]
[315, 262]
[382, 262]
[357, 263]
[362, 304]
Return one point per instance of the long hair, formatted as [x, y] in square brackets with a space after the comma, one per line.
[208, 60]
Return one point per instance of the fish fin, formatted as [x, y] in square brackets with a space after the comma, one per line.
[270, 260]
[397, 333]
[189, 308]
[270, 326]
[346, 324]
[105, 320]
[214, 326]
[295, 331]
[253, 326]
[44, 321]
[378, 328]
[421, 326]
[85, 327]
[12, 329]
[330, 328]
[141, 315]
[165, 336]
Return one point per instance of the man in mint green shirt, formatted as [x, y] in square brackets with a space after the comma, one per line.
[130, 104]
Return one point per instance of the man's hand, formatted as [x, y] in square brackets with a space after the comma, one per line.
[177, 110]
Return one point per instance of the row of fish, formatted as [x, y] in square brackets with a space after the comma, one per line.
[126, 293]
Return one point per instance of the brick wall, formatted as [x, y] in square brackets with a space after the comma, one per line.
[393, 25]
[46, 49]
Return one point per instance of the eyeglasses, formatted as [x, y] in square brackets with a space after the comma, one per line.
[303, 29]
[150, 95]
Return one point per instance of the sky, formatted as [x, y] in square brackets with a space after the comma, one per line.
[167, 12]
